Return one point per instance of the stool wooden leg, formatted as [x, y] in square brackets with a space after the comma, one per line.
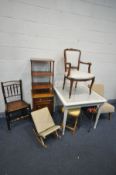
[75, 126]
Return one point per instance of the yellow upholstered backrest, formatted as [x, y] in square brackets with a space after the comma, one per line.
[42, 119]
[98, 88]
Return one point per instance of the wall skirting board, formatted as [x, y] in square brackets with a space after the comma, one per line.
[112, 101]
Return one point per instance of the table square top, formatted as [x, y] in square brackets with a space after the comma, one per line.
[80, 96]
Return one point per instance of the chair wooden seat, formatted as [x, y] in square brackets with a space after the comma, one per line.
[16, 105]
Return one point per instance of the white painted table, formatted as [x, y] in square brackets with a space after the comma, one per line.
[80, 98]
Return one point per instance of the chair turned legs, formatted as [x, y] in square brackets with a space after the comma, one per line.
[8, 121]
[71, 85]
[76, 84]
[29, 110]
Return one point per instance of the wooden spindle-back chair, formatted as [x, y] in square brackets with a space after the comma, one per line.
[15, 107]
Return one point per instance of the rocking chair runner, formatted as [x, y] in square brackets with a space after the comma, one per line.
[44, 124]
[72, 69]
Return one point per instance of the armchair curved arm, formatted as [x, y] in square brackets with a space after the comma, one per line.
[87, 63]
[68, 68]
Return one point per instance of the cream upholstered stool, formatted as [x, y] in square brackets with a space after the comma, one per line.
[75, 113]
[106, 107]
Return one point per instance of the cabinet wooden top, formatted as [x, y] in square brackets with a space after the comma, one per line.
[42, 60]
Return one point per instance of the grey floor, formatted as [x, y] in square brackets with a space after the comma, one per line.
[85, 153]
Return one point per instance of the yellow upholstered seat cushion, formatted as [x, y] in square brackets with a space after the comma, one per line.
[73, 112]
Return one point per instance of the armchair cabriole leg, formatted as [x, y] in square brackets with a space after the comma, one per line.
[64, 82]
[92, 82]
[76, 84]
[71, 85]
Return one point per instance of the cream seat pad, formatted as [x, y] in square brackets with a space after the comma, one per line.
[75, 74]
[106, 108]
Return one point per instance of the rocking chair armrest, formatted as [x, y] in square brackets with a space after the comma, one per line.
[87, 63]
[68, 68]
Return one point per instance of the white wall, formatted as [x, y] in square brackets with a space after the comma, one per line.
[43, 28]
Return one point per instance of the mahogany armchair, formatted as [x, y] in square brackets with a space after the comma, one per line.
[72, 63]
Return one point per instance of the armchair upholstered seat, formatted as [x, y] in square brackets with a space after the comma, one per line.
[44, 124]
[72, 63]
[75, 74]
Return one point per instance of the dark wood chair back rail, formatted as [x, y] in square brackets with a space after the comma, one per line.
[12, 89]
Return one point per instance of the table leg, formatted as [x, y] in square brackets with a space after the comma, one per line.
[64, 120]
[97, 116]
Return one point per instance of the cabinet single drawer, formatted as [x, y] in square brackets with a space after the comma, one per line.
[43, 100]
